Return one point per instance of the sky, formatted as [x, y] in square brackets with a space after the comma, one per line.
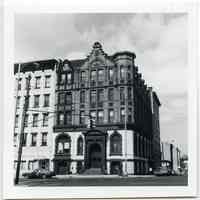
[158, 40]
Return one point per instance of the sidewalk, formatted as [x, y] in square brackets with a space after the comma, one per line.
[68, 176]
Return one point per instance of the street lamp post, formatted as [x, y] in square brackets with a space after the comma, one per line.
[125, 128]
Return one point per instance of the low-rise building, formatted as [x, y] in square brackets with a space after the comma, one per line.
[170, 156]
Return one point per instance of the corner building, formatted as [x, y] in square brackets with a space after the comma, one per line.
[126, 135]
[107, 89]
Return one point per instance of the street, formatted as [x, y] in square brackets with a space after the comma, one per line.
[107, 181]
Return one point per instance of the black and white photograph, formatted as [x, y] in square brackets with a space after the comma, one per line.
[100, 99]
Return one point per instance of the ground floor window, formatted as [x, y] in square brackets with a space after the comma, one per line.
[116, 167]
[22, 165]
[79, 167]
[32, 164]
[44, 164]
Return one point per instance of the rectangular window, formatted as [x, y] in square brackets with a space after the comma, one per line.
[37, 82]
[20, 84]
[45, 119]
[15, 140]
[110, 94]
[93, 76]
[82, 117]
[129, 93]
[61, 119]
[27, 84]
[16, 121]
[100, 75]
[44, 139]
[24, 140]
[82, 97]
[69, 98]
[35, 120]
[93, 98]
[100, 116]
[68, 117]
[44, 164]
[46, 100]
[26, 120]
[18, 102]
[93, 114]
[110, 115]
[33, 139]
[122, 72]
[122, 94]
[61, 98]
[100, 97]
[129, 73]
[122, 114]
[36, 101]
[47, 81]
[23, 165]
[111, 74]
[83, 76]
[27, 99]
[69, 78]
[129, 114]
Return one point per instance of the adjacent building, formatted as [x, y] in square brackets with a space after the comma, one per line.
[170, 156]
[39, 118]
[104, 117]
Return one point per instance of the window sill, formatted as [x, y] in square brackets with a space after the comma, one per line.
[115, 154]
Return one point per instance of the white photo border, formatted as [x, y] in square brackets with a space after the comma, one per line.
[21, 6]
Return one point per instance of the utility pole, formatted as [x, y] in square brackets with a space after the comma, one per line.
[125, 128]
[25, 107]
[16, 96]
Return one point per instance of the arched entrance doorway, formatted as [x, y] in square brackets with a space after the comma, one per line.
[95, 156]
[95, 150]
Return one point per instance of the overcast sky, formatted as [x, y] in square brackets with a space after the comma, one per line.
[158, 40]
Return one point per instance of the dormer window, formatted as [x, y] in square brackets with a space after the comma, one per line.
[110, 74]
[93, 75]
[100, 75]
[65, 67]
[122, 72]
[62, 79]
[69, 78]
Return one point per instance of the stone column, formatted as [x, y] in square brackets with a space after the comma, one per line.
[108, 167]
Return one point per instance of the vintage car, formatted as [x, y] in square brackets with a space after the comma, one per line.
[163, 171]
[39, 173]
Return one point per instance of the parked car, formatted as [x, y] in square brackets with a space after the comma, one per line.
[163, 171]
[39, 173]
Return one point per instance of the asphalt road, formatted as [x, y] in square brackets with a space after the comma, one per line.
[108, 181]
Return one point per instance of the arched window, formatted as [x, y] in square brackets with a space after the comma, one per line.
[63, 144]
[116, 144]
[80, 146]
